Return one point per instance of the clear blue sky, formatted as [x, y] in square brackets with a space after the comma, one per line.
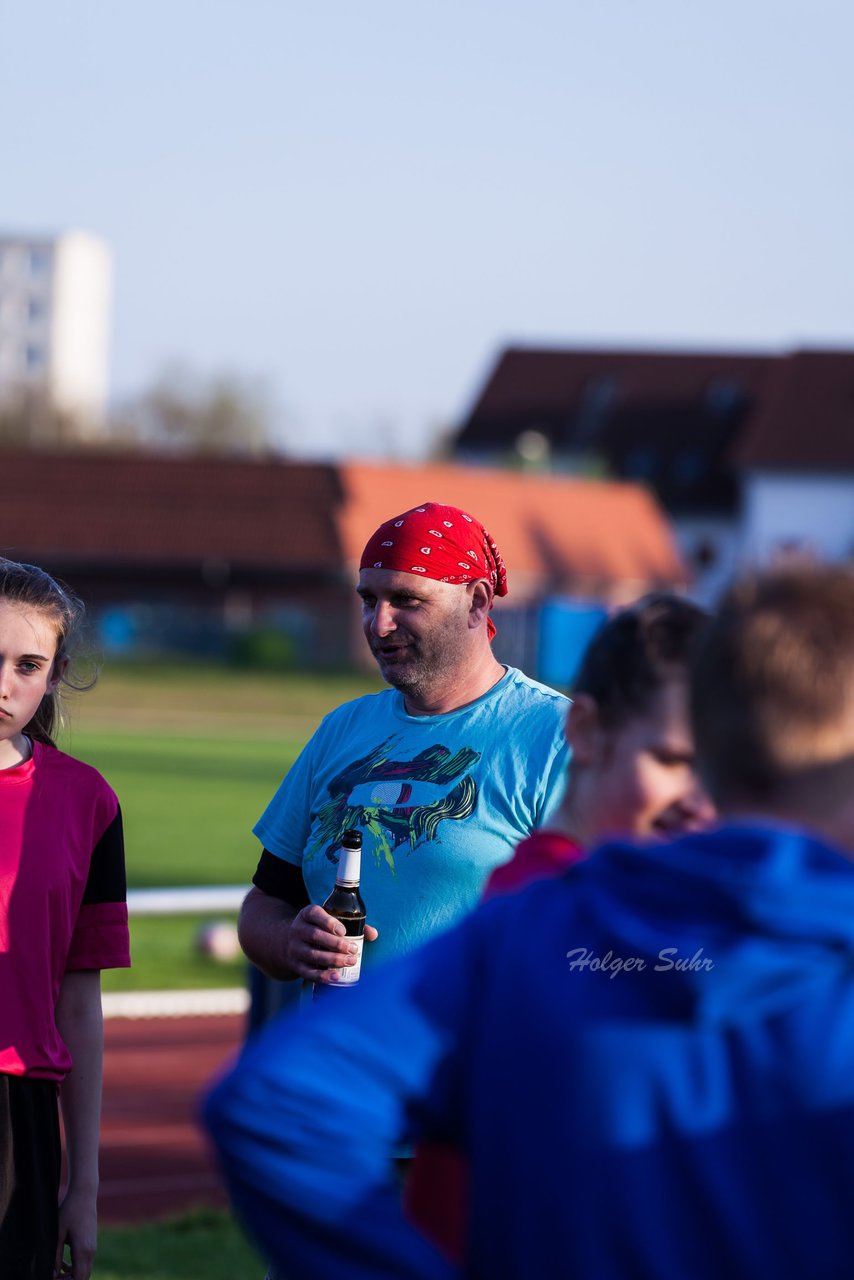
[362, 201]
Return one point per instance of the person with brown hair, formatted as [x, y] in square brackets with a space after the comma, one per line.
[775, 704]
[632, 773]
[63, 918]
[649, 1062]
[631, 747]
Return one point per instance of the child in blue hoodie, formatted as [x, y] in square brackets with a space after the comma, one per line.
[649, 1063]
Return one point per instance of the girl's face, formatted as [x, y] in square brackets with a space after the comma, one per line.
[644, 781]
[27, 661]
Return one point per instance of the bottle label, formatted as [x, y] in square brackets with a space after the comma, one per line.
[350, 974]
[349, 866]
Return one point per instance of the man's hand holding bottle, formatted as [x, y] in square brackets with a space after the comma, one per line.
[319, 947]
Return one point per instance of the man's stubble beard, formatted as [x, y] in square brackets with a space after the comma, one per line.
[433, 661]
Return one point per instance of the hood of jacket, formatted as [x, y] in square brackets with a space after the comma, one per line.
[742, 921]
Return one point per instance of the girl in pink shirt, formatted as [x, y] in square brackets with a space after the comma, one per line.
[63, 917]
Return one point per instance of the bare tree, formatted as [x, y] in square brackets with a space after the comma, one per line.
[183, 412]
[29, 420]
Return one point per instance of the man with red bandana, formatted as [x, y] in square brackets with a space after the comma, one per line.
[443, 773]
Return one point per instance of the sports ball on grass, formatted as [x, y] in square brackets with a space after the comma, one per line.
[217, 939]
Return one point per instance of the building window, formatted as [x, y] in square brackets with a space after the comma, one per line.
[39, 262]
[722, 397]
[36, 310]
[597, 401]
[687, 467]
[33, 357]
[641, 463]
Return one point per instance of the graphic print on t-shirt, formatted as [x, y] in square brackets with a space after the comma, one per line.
[398, 801]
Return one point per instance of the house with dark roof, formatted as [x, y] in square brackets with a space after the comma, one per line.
[797, 462]
[725, 441]
[190, 550]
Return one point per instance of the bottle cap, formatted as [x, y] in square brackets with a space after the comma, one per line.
[352, 838]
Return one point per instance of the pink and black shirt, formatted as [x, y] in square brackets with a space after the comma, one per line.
[62, 899]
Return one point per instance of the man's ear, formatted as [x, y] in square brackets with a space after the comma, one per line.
[480, 601]
[584, 731]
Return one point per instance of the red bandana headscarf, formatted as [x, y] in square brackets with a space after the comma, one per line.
[439, 542]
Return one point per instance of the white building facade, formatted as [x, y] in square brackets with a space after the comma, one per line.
[55, 305]
[804, 514]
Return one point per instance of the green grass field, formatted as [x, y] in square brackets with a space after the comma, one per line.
[205, 1245]
[194, 754]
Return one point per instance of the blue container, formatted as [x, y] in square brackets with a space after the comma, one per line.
[566, 628]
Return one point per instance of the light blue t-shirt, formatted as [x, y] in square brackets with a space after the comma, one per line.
[440, 801]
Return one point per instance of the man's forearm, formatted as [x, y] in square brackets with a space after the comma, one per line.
[263, 929]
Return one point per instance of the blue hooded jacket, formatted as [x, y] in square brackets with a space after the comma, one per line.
[649, 1064]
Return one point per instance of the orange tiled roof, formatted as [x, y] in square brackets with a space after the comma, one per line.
[553, 531]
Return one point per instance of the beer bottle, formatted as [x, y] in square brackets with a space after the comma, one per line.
[345, 902]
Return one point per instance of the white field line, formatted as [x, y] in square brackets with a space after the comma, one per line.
[179, 1004]
[189, 901]
[175, 1004]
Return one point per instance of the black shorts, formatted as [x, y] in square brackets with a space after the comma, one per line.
[30, 1156]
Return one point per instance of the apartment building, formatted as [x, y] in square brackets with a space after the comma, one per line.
[55, 299]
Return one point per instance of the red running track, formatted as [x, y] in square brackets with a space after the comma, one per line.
[154, 1159]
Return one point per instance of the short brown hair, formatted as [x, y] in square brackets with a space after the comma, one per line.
[772, 683]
